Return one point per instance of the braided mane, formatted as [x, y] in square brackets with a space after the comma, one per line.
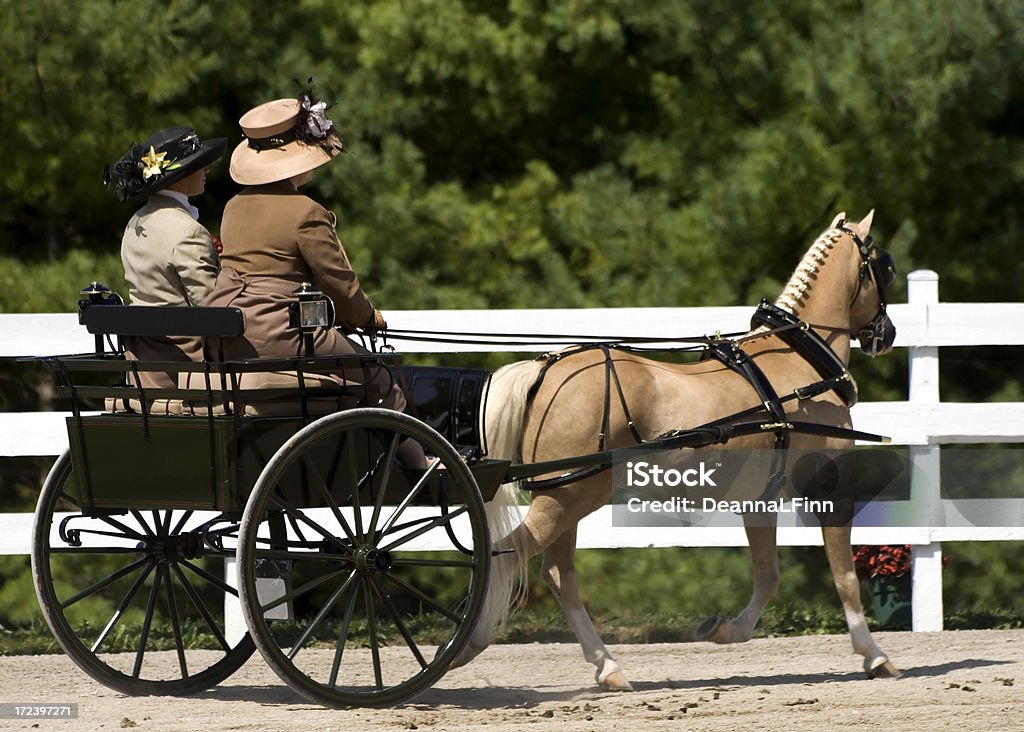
[800, 282]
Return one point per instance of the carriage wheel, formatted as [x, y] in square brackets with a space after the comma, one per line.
[129, 594]
[376, 572]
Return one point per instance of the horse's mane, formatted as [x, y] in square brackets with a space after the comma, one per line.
[800, 282]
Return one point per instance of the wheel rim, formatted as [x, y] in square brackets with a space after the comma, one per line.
[385, 582]
[130, 596]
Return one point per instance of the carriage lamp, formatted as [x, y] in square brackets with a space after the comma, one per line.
[312, 309]
[96, 293]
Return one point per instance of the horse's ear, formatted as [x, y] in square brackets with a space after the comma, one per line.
[864, 226]
[840, 218]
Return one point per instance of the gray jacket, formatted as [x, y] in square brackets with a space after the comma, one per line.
[168, 257]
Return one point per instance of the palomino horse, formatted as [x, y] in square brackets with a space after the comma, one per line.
[838, 288]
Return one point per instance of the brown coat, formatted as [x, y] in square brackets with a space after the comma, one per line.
[274, 239]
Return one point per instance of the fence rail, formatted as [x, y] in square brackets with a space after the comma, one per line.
[923, 423]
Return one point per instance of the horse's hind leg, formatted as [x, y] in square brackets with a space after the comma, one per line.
[840, 560]
[559, 573]
[764, 556]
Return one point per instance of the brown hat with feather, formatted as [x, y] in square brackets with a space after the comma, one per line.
[284, 138]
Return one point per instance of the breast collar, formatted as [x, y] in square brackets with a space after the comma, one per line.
[809, 345]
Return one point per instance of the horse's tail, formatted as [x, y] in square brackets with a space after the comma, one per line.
[504, 417]
[504, 413]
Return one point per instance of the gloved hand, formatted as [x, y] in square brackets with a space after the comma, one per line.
[378, 322]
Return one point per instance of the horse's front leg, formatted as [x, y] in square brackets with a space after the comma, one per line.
[840, 560]
[559, 573]
[764, 555]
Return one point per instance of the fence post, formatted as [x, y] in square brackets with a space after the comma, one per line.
[926, 559]
[234, 623]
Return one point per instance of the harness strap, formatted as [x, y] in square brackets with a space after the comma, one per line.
[585, 466]
[606, 414]
[734, 357]
[611, 375]
[809, 345]
[550, 359]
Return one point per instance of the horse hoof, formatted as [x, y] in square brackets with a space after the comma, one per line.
[715, 629]
[614, 681]
[882, 668]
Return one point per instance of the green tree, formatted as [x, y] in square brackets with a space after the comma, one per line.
[531, 153]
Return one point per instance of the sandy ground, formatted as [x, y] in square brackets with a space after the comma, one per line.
[967, 680]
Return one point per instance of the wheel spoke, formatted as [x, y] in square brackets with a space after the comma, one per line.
[350, 460]
[425, 599]
[162, 525]
[382, 484]
[172, 607]
[320, 616]
[371, 630]
[119, 610]
[109, 579]
[398, 622]
[211, 578]
[439, 521]
[339, 648]
[142, 522]
[197, 601]
[325, 493]
[407, 501]
[299, 591]
[185, 516]
[304, 556]
[417, 562]
[154, 593]
[296, 514]
[126, 532]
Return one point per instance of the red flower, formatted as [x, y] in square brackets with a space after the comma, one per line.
[882, 561]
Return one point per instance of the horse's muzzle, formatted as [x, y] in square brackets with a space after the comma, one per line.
[876, 338]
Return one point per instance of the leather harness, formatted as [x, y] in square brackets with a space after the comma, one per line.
[796, 334]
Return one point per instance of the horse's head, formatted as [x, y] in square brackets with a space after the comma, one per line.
[869, 320]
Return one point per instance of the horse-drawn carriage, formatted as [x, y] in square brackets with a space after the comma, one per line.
[361, 579]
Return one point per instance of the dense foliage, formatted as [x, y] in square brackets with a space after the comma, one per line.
[533, 153]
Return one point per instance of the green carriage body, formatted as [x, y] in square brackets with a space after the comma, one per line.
[211, 461]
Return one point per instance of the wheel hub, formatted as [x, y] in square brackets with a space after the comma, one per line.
[369, 560]
[174, 548]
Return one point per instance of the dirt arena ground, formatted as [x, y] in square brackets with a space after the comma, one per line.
[966, 680]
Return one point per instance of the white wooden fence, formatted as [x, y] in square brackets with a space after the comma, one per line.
[924, 423]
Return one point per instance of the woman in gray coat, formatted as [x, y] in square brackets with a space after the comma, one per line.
[169, 258]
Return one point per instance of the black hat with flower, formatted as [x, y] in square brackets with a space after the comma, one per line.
[166, 157]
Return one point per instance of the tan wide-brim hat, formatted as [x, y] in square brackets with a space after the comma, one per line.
[270, 151]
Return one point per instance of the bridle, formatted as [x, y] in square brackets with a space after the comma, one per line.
[878, 335]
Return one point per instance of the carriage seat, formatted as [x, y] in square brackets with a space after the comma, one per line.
[286, 402]
[248, 405]
[162, 322]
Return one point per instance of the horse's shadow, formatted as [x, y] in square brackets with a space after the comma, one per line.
[819, 678]
[521, 697]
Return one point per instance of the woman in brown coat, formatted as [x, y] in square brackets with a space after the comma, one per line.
[275, 238]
